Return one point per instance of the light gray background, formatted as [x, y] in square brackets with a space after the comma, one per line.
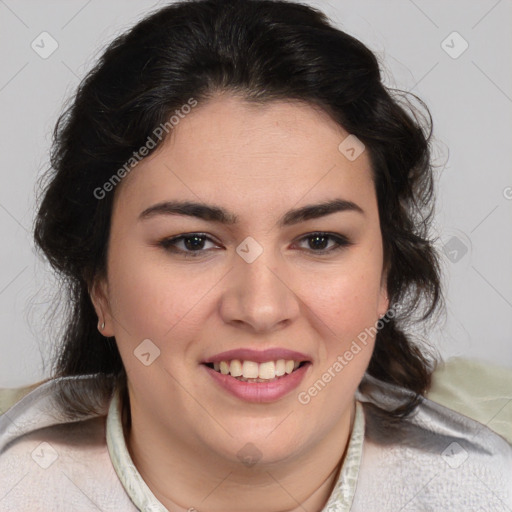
[470, 98]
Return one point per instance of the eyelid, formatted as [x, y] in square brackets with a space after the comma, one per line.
[169, 243]
[341, 242]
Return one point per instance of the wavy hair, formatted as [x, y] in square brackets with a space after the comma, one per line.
[261, 50]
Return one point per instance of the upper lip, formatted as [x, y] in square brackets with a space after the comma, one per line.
[258, 356]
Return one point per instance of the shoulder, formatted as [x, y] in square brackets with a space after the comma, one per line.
[49, 460]
[435, 458]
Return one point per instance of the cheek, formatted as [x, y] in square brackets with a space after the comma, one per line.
[346, 307]
[148, 297]
[346, 301]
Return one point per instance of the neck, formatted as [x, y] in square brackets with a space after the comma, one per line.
[183, 480]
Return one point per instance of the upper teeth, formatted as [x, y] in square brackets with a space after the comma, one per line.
[253, 370]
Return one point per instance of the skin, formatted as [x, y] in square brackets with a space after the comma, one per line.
[258, 163]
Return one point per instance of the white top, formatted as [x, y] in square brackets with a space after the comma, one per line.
[436, 459]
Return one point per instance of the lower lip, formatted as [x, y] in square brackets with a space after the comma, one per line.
[260, 391]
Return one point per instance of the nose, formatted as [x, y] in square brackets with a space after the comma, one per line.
[259, 296]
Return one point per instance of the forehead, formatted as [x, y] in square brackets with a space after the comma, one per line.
[227, 147]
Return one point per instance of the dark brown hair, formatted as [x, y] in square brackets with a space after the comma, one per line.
[262, 50]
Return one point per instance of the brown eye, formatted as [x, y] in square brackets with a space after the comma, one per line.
[192, 244]
[325, 242]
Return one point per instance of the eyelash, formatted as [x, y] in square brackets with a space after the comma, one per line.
[169, 244]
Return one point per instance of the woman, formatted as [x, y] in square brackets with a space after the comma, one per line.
[241, 212]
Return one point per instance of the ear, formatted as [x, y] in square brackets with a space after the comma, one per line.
[99, 293]
[383, 301]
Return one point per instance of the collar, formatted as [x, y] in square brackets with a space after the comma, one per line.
[340, 499]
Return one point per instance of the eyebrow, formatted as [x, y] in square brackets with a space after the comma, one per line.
[214, 213]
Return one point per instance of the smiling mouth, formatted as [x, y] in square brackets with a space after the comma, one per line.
[251, 371]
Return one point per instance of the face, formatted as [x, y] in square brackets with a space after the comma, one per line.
[259, 274]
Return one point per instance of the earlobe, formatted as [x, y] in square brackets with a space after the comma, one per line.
[98, 292]
[383, 304]
[383, 307]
